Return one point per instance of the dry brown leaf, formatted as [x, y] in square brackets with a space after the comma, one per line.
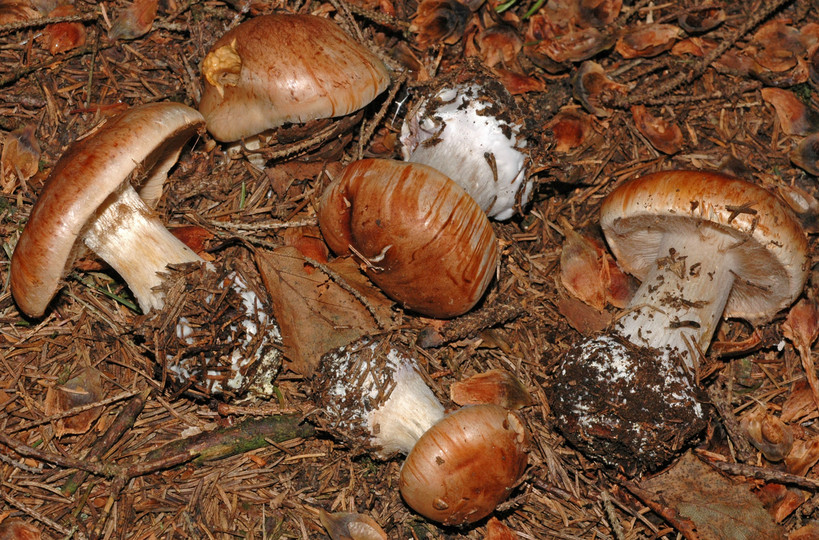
[719, 508]
[647, 40]
[780, 501]
[663, 135]
[794, 116]
[807, 532]
[82, 389]
[803, 456]
[801, 327]
[495, 386]
[314, 312]
[799, 406]
[571, 128]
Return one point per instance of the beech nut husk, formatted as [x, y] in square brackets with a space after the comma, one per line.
[465, 465]
[420, 237]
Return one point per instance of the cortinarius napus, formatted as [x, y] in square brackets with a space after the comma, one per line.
[705, 245]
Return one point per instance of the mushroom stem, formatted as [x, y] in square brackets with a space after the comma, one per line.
[681, 300]
[128, 236]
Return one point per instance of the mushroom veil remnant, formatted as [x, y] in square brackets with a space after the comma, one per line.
[469, 132]
[705, 245]
[89, 201]
[281, 68]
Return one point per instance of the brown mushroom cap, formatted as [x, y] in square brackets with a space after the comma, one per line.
[770, 249]
[146, 138]
[283, 68]
[426, 243]
[465, 465]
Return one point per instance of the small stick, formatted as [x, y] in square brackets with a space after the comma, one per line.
[123, 422]
[722, 403]
[760, 473]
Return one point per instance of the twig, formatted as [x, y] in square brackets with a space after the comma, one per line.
[760, 473]
[37, 515]
[44, 21]
[333, 130]
[368, 128]
[722, 402]
[467, 325]
[124, 421]
[616, 527]
[73, 411]
[266, 226]
[22, 72]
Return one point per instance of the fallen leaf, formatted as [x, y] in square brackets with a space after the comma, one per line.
[803, 456]
[570, 129]
[799, 405]
[647, 40]
[801, 327]
[718, 508]
[794, 116]
[780, 501]
[806, 532]
[495, 386]
[82, 389]
[316, 314]
[308, 241]
[663, 135]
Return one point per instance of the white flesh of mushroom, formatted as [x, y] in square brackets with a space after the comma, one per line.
[480, 152]
[681, 299]
[131, 238]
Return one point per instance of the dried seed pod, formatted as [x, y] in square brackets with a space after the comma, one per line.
[663, 135]
[701, 20]
[351, 526]
[20, 159]
[591, 87]
[768, 434]
[570, 129]
[61, 37]
[647, 40]
[134, 21]
[423, 240]
[465, 465]
[806, 154]
[439, 21]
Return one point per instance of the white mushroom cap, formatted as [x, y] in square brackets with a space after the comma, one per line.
[767, 245]
[467, 133]
[91, 174]
[283, 68]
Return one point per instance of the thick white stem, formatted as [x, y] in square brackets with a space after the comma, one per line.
[129, 237]
[681, 299]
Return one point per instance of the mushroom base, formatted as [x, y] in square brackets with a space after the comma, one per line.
[215, 336]
[624, 405]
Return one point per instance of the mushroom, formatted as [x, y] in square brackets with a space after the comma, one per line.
[459, 466]
[472, 134]
[465, 465]
[422, 239]
[281, 68]
[89, 199]
[705, 245]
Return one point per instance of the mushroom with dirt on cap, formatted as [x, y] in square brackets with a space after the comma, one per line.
[705, 245]
[89, 200]
[459, 466]
[285, 68]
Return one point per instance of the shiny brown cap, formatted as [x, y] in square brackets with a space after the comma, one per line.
[146, 138]
[770, 252]
[283, 68]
